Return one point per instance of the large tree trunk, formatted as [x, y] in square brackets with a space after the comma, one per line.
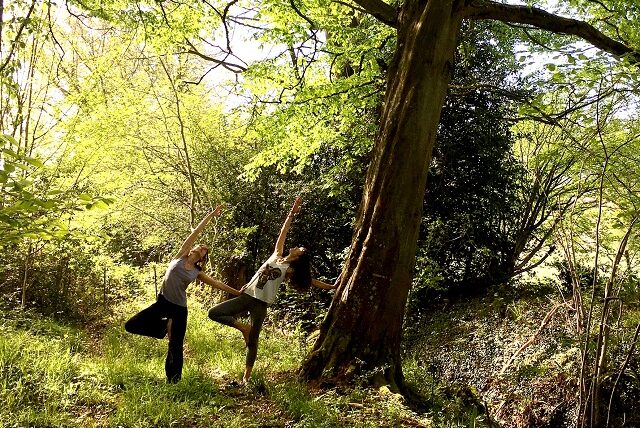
[362, 331]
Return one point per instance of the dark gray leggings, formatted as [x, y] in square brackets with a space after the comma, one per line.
[225, 313]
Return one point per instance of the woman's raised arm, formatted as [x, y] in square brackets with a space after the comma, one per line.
[188, 243]
[279, 249]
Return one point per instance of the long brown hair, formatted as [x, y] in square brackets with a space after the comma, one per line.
[300, 278]
[200, 264]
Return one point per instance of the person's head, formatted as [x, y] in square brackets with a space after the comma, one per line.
[299, 272]
[199, 255]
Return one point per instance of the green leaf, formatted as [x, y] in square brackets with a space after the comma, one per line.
[60, 234]
[35, 162]
[9, 139]
[47, 204]
[25, 205]
[11, 153]
[22, 166]
[99, 204]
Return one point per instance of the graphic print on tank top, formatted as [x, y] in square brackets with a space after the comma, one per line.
[268, 273]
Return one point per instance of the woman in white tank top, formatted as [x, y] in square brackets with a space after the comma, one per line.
[261, 290]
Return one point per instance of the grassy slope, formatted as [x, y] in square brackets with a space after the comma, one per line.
[471, 341]
[53, 375]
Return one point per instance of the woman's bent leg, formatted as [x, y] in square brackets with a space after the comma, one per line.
[225, 312]
[149, 322]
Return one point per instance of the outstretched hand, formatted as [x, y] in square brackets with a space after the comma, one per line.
[295, 209]
[189, 241]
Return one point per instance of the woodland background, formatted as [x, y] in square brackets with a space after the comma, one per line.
[123, 123]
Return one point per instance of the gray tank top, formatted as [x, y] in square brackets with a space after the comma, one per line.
[176, 280]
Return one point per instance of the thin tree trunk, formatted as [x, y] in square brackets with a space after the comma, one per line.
[362, 331]
[1, 22]
[62, 264]
[104, 288]
[605, 329]
[155, 278]
[570, 253]
[25, 123]
[590, 408]
[566, 241]
[2, 94]
[622, 370]
[27, 261]
[185, 148]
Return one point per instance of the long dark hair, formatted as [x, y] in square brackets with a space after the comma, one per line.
[300, 278]
[200, 264]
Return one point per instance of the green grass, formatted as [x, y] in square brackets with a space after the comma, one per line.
[53, 375]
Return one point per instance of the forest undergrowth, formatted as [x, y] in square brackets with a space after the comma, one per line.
[57, 375]
[517, 353]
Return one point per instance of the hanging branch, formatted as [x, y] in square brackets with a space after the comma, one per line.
[538, 18]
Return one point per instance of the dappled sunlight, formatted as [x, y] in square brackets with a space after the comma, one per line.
[184, 186]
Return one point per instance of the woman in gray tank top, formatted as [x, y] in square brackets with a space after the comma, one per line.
[168, 315]
[260, 291]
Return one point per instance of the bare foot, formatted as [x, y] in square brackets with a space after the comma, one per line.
[246, 375]
[245, 329]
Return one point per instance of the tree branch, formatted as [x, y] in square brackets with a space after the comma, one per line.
[235, 68]
[532, 339]
[523, 268]
[380, 10]
[16, 41]
[487, 9]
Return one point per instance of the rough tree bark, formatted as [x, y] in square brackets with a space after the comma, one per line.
[362, 331]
